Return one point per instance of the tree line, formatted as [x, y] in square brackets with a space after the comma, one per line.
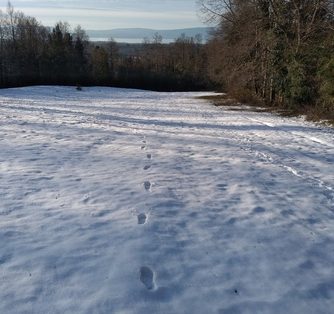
[279, 52]
[180, 65]
[31, 53]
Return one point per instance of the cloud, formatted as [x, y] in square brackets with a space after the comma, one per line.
[106, 14]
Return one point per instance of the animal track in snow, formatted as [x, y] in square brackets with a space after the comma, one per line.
[142, 219]
[147, 185]
[143, 147]
[147, 167]
[149, 156]
[147, 277]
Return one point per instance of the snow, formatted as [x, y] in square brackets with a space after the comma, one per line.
[129, 201]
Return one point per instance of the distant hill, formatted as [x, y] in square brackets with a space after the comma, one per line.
[137, 34]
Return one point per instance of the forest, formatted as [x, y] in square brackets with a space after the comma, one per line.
[279, 53]
[31, 53]
[276, 52]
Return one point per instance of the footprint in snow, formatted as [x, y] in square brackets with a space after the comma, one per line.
[86, 199]
[149, 156]
[143, 147]
[141, 219]
[101, 213]
[259, 210]
[147, 185]
[147, 277]
[222, 187]
[147, 167]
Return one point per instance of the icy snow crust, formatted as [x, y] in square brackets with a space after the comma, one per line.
[127, 201]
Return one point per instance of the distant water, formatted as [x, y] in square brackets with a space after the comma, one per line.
[128, 40]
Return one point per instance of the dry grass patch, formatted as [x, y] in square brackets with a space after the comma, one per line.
[311, 113]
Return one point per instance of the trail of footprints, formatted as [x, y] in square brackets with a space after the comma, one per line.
[146, 275]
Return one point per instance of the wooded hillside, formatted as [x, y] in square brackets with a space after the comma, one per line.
[280, 52]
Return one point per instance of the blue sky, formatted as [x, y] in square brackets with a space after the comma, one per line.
[108, 14]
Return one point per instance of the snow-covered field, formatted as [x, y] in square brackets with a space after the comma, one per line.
[126, 201]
